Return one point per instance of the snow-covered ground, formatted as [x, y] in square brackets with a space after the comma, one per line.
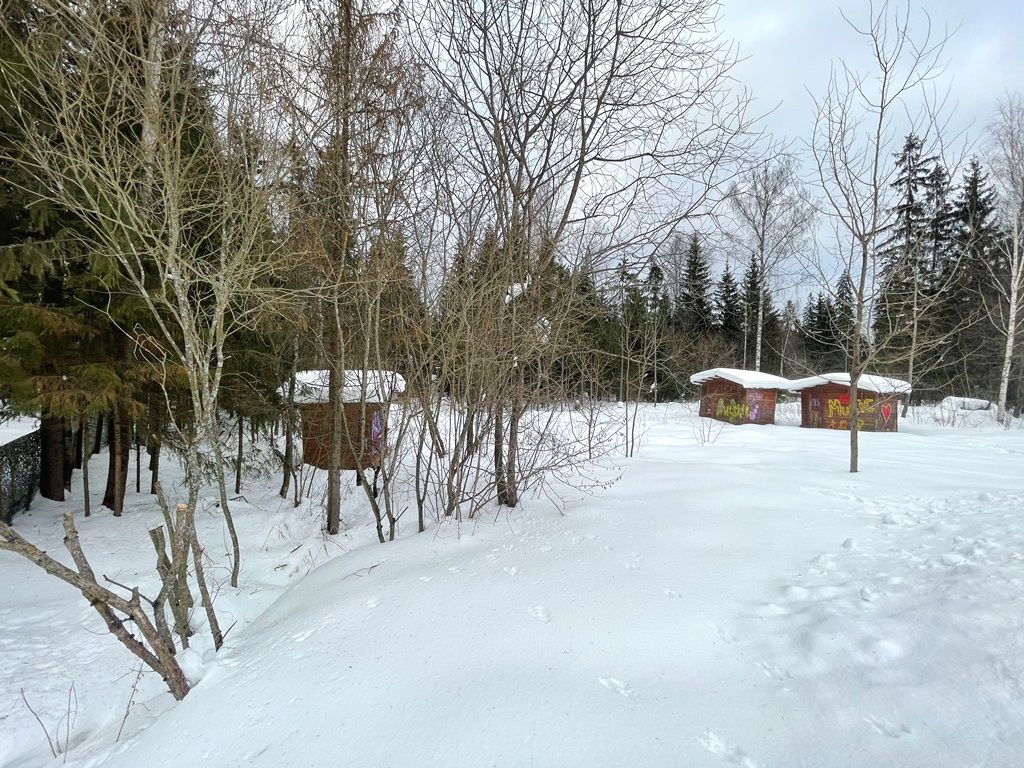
[736, 597]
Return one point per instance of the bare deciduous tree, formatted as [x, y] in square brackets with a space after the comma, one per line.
[773, 221]
[852, 146]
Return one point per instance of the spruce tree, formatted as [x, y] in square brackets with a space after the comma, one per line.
[902, 255]
[729, 310]
[970, 366]
[694, 314]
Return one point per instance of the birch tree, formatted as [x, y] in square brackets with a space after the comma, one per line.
[773, 220]
[1007, 274]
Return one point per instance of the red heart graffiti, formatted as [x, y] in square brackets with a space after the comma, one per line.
[886, 412]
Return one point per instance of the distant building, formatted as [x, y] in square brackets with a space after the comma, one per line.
[738, 397]
[366, 395]
[825, 401]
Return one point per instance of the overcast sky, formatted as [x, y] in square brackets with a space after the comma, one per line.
[788, 46]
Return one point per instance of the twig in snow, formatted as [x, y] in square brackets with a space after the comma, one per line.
[131, 700]
[365, 571]
[46, 733]
[69, 720]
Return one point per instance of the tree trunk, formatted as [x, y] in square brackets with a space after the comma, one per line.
[289, 425]
[238, 457]
[337, 414]
[512, 459]
[51, 471]
[117, 469]
[222, 488]
[84, 434]
[1012, 310]
[138, 459]
[97, 441]
[153, 443]
[69, 452]
[760, 327]
[500, 476]
[80, 445]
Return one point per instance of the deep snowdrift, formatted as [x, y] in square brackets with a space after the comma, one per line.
[735, 598]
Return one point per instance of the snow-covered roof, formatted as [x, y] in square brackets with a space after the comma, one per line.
[746, 379]
[953, 403]
[883, 385]
[18, 427]
[378, 386]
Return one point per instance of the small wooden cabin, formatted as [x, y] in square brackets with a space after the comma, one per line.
[738, 397]
[825, 401]
[366, 395]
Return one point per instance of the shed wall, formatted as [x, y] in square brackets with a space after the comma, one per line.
[366, 425]
[828, 407]
[727, 401]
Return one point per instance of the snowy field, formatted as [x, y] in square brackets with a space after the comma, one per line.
[734, 597]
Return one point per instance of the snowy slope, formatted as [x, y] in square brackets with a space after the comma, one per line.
[736, 598]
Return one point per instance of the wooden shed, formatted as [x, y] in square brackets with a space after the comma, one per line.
[825, 401]
[366, 396]
[738, 397]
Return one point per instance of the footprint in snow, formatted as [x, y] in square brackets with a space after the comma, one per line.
[886, 728]
[540, 613]
[723, 633]
[618, 686]
[795, 593]
[373, 602]
[731, 753]
[774, 671]
[770, 609]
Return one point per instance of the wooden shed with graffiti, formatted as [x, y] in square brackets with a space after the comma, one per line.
[825, 401]
[366, 396]
[737, 396]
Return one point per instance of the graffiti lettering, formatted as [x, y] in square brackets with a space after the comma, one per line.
[732, 411]
[837, 406]
[842, 424]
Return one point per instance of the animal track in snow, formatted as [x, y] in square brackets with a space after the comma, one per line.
[540, 613]
[618, 686]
